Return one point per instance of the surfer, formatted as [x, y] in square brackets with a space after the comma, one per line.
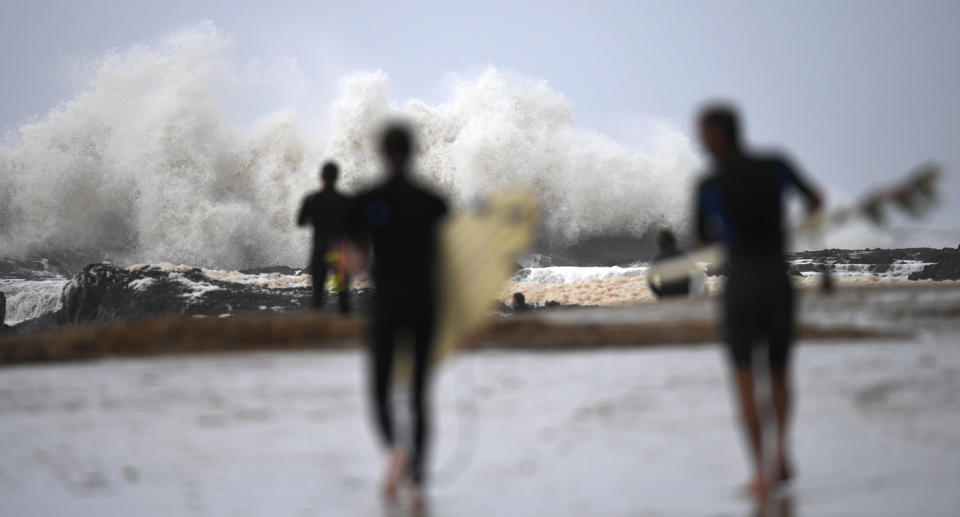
[327, 211]
[667, 244]
[740, 205]
[400, 218]
[520, 303]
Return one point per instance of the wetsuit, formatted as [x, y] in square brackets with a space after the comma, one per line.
[740, 203]
[400, 219]
[327, 211]
[679, 287]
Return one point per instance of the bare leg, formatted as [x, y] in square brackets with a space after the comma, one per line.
[781, 407]
[751, 422]
[395, 470]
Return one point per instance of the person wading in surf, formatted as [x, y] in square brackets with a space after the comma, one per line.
[740, 204]
[327, 211]
[400, 218]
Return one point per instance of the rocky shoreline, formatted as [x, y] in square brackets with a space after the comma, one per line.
[939, 264]
[104, 292]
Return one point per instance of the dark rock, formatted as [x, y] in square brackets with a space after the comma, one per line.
[944, 264]
[106, 292]
[947, 268]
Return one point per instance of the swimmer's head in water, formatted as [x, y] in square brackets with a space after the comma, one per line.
[720, 129]
[396, 145]
[329, 173]
[666, 240]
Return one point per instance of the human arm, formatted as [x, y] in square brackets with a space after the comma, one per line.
[812, 197]
[303, 218]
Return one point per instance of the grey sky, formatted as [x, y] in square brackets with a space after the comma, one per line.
[858, 91]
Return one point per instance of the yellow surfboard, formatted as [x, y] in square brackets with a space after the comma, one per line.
[477, 250]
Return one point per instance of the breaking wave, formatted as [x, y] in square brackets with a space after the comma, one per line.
[144, 165]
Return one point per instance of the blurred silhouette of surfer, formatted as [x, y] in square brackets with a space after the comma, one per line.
[400, 218]
[667, 244]
[740, 204]
[520, 303]
[327, 211]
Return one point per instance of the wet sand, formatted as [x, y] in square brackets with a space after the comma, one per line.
[604, 426]
[608, 432]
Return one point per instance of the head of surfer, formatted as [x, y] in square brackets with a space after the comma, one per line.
[396, 145]
[329, 173]
[720, 130]
[666, 240]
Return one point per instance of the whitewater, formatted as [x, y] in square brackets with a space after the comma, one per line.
[143, 164]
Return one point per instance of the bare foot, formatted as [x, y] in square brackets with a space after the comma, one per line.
[417, 500]
[785, 472]
[398, 463]
[759, 488]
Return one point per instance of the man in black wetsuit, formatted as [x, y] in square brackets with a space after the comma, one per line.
[740, 204]
[668, 250]
[327, 211]
[400, 218]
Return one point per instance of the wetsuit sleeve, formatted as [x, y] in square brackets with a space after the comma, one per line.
[305, 209]
[789, 177]
[706, 211]
[699, 218]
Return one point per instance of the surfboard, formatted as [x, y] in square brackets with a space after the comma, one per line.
[478, 250]
[914, 195]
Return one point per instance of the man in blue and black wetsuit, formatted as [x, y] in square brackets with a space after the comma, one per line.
[740, 204]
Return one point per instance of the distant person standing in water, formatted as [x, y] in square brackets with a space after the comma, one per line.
[520, 303]
[740, 204]
[401, 218]
[667, 244]
[327, 211]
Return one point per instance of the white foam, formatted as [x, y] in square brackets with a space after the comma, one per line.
[142, 284]
[143, 165]
[197, 289]
[28, 299]
[571, 274]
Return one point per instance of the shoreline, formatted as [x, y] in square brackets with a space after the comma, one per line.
[675, 322]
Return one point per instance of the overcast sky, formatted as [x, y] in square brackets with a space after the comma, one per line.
[857, 91]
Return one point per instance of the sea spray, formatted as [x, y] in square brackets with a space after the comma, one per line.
[144, 165]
